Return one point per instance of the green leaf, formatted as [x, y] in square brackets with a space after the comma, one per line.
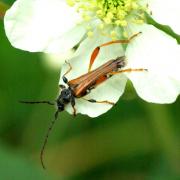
[3, 8]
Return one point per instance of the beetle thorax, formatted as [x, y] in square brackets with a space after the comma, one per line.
[64, 98]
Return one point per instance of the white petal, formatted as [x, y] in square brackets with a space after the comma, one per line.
[160, 54]
[109, 90]
[42, 25]
[166, 12]
[56, 60]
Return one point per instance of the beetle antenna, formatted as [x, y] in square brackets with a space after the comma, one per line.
[46, 138]
[37, 102]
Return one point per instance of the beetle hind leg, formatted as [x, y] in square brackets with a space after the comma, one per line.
[97, 49]
[100, 102]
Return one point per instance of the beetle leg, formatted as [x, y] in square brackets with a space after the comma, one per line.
[74, 111]
[73, 105]
[128, 70]
[97, 49]
[70, 68]
[100, 102]
[63, 77]
[89, 89]
[61, 86]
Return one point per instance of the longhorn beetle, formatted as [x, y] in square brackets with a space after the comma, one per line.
[80, 86]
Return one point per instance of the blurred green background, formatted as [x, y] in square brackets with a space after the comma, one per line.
[135, 140]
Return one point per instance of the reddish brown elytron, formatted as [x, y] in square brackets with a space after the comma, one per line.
[88, 81]
[80, 86]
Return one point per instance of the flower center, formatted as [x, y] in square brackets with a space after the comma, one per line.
[117, 13]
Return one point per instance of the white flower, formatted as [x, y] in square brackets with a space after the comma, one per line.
[166, 13]
[43, 25]
[152, 50]
[51, 26]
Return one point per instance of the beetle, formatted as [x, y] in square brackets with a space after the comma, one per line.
[80, 86]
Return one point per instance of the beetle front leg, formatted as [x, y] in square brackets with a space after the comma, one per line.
[70, 68]
[73, 106]
[61, 86]
[63, 77]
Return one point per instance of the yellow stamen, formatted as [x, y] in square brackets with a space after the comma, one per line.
[118, 13]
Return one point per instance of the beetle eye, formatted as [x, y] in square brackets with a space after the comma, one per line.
[61, 107]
